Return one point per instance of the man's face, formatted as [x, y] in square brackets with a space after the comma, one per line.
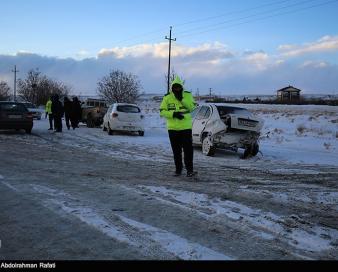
[176, 88]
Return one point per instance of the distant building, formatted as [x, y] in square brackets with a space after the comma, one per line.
[288, 94]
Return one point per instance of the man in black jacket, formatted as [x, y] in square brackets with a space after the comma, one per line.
[57, 110]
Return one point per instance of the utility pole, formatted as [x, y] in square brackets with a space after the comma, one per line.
[210, 92]
[15, 71]
[170, 39]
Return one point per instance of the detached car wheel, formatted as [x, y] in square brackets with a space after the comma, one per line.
[254, 149]
[251, 151]
[207, 147]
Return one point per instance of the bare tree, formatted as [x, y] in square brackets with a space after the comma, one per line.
[4, 90]
[37, 88]
[119, 87]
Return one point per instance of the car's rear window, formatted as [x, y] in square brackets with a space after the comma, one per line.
[12, 107]
[128, 109]
[30, 105]
[223, 110]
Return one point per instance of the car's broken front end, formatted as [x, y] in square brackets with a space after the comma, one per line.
[238, 131]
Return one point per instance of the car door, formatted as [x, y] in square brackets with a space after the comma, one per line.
[107, 115]
[199, 123]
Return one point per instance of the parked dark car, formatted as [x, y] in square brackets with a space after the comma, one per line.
[14, 115]
[34, 109]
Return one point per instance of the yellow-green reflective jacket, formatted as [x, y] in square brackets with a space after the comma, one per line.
[49, 107]
[170, 104]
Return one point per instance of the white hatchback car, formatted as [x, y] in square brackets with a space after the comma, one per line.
[123, 117]
[217, 125]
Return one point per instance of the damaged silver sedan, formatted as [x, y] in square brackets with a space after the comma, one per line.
[217, 125]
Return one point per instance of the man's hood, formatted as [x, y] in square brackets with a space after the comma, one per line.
[177, 80]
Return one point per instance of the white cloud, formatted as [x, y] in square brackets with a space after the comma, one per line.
[314, 64]
[204, 66]
[324, 44]
[204, 52]
[82, 54]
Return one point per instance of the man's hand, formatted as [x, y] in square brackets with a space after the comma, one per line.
[178, 115]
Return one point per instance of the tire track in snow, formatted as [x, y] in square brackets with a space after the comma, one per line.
[154, 242]
[291, 230]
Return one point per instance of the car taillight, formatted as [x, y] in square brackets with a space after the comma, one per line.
[114, 115]
[29, 115]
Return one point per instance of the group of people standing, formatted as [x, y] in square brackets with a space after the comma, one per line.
[70, 109]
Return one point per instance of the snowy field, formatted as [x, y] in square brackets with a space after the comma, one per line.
[295, 134]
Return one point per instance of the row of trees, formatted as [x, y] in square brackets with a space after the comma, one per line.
[37, 88]
[118, 86]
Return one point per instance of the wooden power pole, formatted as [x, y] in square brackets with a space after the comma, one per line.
[170, 39]
[15, 72]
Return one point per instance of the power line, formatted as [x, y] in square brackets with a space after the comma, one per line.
[258, 19]
[249, 16]
[241, 20]
[151, 33]
[233, 12]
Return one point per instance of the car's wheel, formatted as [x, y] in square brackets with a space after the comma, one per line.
[104, 128]
[207, 147]
[247, 152]
[28, 130]
[251, 150]
[254, 149]
[90, 121]
[141, 133]
[110, 132]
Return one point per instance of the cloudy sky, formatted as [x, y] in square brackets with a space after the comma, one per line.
[231, 46]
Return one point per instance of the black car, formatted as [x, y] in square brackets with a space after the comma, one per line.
[14, 115]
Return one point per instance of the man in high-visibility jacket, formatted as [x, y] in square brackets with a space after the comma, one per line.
[176, 107]
[49, 112]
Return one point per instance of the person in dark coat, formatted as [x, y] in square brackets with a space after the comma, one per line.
[67, 104]
[76, 112]
[57, 110]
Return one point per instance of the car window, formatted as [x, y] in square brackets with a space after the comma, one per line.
[29, 105]
[12, 107]
[128, 109]
[224, 110]
[194, 112]
[202, 113]
[207, 113]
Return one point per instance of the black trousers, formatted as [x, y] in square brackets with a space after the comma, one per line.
[67, 118]
[182, 139]
[58, 123]
[50, 118]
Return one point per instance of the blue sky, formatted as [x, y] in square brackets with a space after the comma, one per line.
[299, 35]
